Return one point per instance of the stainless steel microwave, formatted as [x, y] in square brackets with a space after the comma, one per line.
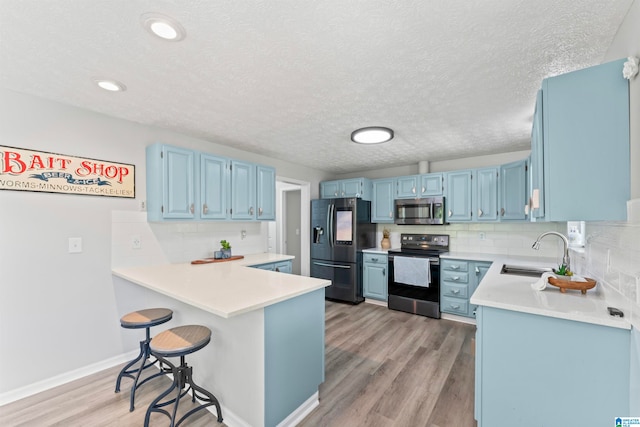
[427, 211]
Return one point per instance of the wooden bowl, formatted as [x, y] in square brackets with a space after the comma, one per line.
[565, 282]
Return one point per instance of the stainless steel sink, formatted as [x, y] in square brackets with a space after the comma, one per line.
[520, 270]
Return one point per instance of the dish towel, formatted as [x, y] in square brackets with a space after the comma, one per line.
[411, 271]
[542, 282]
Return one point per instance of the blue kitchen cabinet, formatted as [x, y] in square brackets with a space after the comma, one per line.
[243, 190]
[170, 183]
[408, 187]
[487, 194]
[513, 191]
[459, 196]
[585, 132]
[278, 266]
[414, 186]
[534, 370]
[432, 185]
[536, 193]
[375, 280]
[382, 203]
[266, 193]
[352, 187]
[214, 187]
[459, 279]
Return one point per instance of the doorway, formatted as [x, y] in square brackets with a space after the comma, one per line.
[292, 222]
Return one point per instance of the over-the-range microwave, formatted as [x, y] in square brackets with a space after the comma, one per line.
[426, 211]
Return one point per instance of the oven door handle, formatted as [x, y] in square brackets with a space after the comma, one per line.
[322, 264]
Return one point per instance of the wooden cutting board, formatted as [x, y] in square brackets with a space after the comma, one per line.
[210, 260]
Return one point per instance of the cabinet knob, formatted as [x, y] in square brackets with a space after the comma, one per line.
[501, 211]
[424, 189]
[335, 194]
[374, 259]
[455, 307]
[259, 211]
[384, 271]
[477, 270]
[526, 209]
[480, 213]
[192, 208]
[450, 213]
[456, 278]
[251, 210]
[205, 209]
[413, 190]
[455, 291]
[455, 267]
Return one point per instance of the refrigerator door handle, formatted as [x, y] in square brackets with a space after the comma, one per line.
[322, 264]
[332, 234]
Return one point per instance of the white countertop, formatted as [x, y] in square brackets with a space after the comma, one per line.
[376, 251]
[514, 293]
[224, 288]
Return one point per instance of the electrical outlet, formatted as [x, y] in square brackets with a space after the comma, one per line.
[482, 235]
[75, 245]
[243, 234]
[136, 242]
[143, 206]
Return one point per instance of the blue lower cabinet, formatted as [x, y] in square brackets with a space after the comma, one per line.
[536, 370]
[458, 281]
[280, 266]
[374, 276]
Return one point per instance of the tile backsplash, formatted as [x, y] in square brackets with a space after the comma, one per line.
[179, 242]
[612, 257]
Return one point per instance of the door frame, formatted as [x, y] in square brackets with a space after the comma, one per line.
[291, 184]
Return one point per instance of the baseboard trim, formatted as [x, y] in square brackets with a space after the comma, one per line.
[301, 412]
[44, 385]
[461, 319]
[375, 302]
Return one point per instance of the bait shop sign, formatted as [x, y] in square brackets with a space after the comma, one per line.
[40, 171]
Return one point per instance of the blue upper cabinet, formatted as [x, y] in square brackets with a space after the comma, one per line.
[214, 185]
[170, 183]
[536, 194]
[266, 193]
[408, 187]
[586, 144]
[458, 200]
[243, 190]
[513, 191]
[384, 191]
[432, 184]
[487, 194]
[352, 187]
[330, 189]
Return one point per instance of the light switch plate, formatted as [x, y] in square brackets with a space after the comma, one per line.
[75, 245]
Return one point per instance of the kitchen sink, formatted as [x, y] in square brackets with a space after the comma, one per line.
[520, 270]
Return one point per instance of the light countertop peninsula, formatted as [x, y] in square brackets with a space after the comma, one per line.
[225, 289]
[511, 292]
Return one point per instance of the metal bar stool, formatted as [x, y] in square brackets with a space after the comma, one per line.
[178, 342]
[138, 320]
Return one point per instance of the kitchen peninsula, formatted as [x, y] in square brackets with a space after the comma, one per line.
[266, 360]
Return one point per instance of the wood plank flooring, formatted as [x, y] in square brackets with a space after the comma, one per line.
[383, 368]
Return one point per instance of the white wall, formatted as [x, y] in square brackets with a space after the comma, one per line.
[57, 310]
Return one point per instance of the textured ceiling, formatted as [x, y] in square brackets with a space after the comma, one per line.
[291, 79]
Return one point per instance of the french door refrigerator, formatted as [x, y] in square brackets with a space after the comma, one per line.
[340, 230]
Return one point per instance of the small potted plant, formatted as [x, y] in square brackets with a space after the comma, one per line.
[225, 248]
[562, 272]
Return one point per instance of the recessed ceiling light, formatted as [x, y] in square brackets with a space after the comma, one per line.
[163, 26]
[372, 135]
[110, 85]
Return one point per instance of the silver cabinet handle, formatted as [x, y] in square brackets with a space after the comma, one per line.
[413, 190]
[501, 211]
[384, 271]
[259, 211]
[454, 267]
[191, 208]
[335, 194]
[456, 278]
[374, 259]
[455, 291]
[205, 209]
[343, 193]
[390, 214]
[251, 210]
[455, 307]
[424, 189]
[477, 270]
[450, 213]
[480, 213]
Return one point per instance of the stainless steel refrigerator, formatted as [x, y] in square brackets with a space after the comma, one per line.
[340, 230]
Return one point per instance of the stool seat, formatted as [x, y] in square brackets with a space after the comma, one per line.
[146, 318]
[180, 341]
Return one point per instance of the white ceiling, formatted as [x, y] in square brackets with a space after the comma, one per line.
[291, 79]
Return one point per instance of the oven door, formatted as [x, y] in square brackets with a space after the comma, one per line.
[415, 299]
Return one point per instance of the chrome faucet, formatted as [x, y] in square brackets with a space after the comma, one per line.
[565, 259]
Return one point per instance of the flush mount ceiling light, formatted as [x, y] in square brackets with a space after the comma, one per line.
[372, 135]
[110, 85]
[163, 26]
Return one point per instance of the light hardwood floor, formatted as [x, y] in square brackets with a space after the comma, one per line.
[383, 368]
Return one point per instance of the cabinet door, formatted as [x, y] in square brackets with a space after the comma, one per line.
[266, 193]
[586, 144]
[487, 194]
[383, 197]
[536, 198]
[375, 281]
[329, 189]
[351, 188]
[513, 186]
[214, 179]
[243, 190]
[458, 201]
[408, 187]
[179, 178]
[283, 267]
[480, 270]
[432, 185]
